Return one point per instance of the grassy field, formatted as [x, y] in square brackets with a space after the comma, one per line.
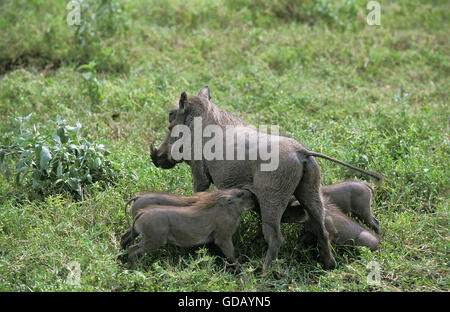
[373, 96]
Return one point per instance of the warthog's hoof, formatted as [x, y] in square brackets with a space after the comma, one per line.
[233, 264]
[329, 264]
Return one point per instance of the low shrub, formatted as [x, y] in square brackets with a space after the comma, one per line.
[54, 157]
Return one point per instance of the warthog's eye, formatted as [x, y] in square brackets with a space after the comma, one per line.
[172, 115]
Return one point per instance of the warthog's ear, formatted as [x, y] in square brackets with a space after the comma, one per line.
[204, 92]
[183, 101]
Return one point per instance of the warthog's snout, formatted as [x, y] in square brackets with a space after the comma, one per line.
[160, 157]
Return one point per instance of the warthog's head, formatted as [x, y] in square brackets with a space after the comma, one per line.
[238, 199]
[182, 115]
[161, 156]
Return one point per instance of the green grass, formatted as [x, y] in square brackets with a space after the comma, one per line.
[373, 96]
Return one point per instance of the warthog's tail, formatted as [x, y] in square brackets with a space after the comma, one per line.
[376, 176]
[133, 229]
[126, 211]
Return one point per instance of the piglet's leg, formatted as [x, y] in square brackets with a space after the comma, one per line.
[226, 245]
[127, 238]
[145, 245]
[133, 253]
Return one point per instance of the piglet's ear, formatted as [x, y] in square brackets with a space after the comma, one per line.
[204, 92]
[183, 100]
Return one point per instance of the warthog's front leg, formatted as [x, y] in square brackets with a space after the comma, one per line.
[200, 175]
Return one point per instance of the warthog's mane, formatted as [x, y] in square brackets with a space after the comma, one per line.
[207, 199]
[218, 116]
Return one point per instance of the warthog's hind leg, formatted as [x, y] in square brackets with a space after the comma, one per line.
[133, 253]
[127, 238]
[308, 194]
[145, 245]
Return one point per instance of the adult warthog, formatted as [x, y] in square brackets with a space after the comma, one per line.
[296, 172]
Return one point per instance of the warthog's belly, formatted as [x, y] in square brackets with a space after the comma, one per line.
[188, 241]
